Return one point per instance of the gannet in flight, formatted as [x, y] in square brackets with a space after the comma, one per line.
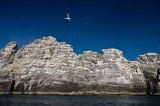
[67, 18]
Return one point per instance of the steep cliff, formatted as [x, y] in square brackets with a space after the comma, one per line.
[7, 56]
[50, 66]
[150, 64]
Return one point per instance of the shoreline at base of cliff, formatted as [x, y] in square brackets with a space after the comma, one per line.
[81, 93]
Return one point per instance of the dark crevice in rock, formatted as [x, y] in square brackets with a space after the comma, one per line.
[11, 87]
[158, 75]
[152, 85]
[19, 88]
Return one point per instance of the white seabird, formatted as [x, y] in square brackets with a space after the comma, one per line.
[67, 18]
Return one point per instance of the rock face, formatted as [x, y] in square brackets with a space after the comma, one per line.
[150, 66]
[50, 66]
[6, 72]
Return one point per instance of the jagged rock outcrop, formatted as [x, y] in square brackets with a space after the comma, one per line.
[150, 64]
[6, 72]
[50, 66]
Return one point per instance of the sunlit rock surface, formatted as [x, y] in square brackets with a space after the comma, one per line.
[50, 66]
[7, 56]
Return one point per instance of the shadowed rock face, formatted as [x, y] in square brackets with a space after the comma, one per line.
[150, 65]
[50, 66]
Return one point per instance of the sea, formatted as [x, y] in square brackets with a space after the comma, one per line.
[78, 100]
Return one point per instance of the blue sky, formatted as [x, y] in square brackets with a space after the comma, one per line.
[132, 26]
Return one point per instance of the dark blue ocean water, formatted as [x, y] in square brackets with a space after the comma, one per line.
[73, 100]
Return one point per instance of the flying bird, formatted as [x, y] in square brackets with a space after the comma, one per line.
[67, 17]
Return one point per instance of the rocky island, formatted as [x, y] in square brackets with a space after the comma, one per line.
[50, 67]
